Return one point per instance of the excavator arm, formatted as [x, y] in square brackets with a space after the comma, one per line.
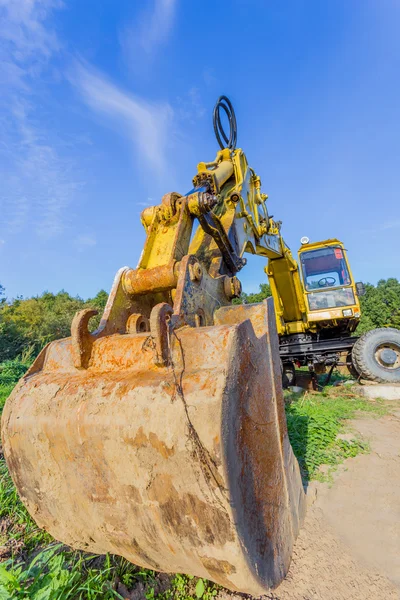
[232, 217]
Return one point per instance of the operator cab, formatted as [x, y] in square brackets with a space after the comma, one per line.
[326, 276]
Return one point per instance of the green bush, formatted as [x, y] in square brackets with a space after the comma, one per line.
[33, 322]
[11, 371]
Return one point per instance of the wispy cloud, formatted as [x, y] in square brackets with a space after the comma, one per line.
[385, 226]
[83, 242]
[395, 224]
[37, 183]
[146, 124]
[190, 106]
[25, 41]
[150, 31]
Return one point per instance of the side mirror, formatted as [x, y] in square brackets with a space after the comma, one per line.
[360, 288]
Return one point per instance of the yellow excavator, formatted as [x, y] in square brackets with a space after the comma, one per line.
[318, 314]
[161, 436]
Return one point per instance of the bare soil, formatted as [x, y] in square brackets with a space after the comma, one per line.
[349, 547]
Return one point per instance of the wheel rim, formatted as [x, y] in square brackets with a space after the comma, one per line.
[387, 355]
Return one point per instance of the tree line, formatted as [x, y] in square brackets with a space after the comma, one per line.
[27, 324]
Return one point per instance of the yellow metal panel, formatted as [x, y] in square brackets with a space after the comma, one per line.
[331, 313]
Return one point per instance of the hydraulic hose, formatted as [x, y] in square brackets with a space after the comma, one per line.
[226, 105]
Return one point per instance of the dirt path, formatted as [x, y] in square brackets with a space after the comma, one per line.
[363, 506]
[349, 547]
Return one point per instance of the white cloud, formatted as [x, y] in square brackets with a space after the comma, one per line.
[25, 43]
[390, 224]
[157, 25]
[37, 184]
[146, 124]
[190, 106]
[82, 242]
[151, 30]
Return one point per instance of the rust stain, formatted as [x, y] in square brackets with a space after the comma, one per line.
[160, 446]
[134, 493]
[171, 549]
[141, 440]
[143, 557]
[188, 516]
[156, 279]
[219, 570]
[217, 451]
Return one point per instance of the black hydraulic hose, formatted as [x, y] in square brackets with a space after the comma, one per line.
[226, 105]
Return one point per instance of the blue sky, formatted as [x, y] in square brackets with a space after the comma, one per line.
[105, 106]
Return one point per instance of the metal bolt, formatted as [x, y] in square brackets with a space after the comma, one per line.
[137, 323]
[210, 200]
[232, 287]
[195, 272]
[236, 287]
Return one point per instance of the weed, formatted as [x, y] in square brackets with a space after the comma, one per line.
[55, 574]
[187, 587]
[20, 534]
[314, 422]
[12, 370]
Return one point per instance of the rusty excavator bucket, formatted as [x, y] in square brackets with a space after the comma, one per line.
[162, 437]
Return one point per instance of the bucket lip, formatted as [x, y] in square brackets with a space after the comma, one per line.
[126, 353]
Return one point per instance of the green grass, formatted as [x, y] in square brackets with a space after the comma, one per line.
[314, 424]
[57, 573]
[5, 391]
[36, 567]
[19, 534]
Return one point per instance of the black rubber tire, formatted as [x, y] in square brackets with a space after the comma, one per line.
[350, 366]
[288, 374]
[363, 355]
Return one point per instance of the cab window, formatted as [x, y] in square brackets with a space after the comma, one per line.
[324, 268]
